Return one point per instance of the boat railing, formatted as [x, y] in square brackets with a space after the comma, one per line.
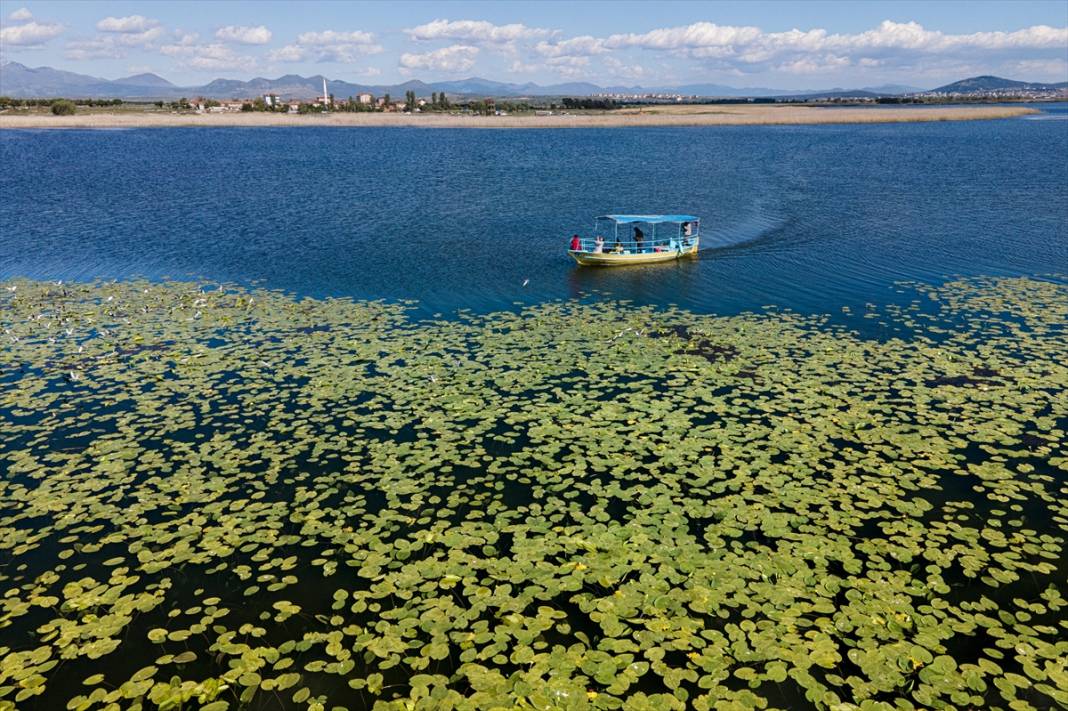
[648, 246]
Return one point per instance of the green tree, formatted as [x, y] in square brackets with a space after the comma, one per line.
[63, 107]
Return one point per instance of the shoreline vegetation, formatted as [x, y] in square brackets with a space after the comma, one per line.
[689, 115]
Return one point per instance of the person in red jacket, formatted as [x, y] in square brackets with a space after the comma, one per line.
[576, 243]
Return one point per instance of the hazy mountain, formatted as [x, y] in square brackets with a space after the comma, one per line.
[18, 80]
[976, 85]
[146, 79]
[21, 81]
[890, 89]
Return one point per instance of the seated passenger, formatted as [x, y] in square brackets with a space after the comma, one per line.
[618, 248]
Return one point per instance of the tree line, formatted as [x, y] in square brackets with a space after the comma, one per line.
[7, 102]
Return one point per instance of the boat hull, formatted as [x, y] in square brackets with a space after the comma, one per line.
[609, 259]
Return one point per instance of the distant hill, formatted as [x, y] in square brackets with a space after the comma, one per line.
[18, 80]
[147, 79]
[978, 85]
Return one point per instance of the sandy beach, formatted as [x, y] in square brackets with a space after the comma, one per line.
[705, 115]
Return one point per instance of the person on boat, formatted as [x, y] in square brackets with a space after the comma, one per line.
[618, 248]
[576, 243]
[598, 245]
[687, 229]
[639, 237]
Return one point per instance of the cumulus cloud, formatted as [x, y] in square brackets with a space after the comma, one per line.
[520, 67]
[130, 24]
[575, 47]
[209, 57]
[912, 35]
[476, 32]
[328, 46]
[816, 50]
[456, 58]
[626, 71]
[244, 35]
[29, 34]
[699, 34]
[1052, 70]
[20, 15]
[815, 65]
[116, 37]
[739, 41]
[95, 48]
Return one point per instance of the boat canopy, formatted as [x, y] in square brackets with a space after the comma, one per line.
[649, 219]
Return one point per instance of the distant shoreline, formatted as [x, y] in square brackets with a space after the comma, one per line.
[694, 115]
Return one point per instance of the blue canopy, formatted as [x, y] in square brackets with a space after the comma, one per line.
[651, 219]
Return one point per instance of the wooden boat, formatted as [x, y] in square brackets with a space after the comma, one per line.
[638, 239]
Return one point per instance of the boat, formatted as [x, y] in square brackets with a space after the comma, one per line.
[620, 240]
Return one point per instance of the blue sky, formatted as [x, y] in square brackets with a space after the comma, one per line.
[768, 44]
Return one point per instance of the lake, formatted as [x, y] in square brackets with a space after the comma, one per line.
[806, 217]
[244, 465]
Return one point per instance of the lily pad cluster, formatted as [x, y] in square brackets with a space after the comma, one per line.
[223, 498]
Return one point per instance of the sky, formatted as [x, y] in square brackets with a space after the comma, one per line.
[781, 45]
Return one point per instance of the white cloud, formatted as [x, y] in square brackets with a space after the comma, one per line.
[96, 48]
[476, 31]
[626, 71]
[699, 34]
[209, 57]
[456, 58]
[29, 34]
[574, 47]
[570, 67]
[129, 24]
[330, 37]
[328, 46]
[519, 67]
[1051, 70]
[706, 39]
[815, 65]
[244, 35]
[912, 35]
[116, 38]
[20, 15]
[890, 44]
[288, 53]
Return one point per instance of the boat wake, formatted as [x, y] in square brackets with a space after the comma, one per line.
[750, 230]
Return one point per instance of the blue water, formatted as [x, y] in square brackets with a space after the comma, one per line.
[805, 217]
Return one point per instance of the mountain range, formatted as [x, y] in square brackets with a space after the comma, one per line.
[20, 81]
